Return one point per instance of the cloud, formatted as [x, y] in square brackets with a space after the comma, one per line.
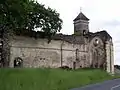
[112, 23]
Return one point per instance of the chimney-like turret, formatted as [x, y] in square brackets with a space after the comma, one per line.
[81, 24]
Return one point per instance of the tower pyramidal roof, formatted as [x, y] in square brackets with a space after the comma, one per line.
[81, 16]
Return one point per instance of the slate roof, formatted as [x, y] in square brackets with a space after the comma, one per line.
[81, 16]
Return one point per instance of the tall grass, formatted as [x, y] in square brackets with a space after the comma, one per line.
[48, 79]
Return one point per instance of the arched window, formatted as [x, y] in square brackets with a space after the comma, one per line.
[96, 42]
[84, 32]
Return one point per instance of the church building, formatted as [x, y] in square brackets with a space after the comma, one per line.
[82, 49]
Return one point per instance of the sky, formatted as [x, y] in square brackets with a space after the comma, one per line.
[103, 15]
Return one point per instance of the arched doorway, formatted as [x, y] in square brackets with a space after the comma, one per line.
[18, 62]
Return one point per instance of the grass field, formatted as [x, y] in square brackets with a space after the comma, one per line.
[48, 79]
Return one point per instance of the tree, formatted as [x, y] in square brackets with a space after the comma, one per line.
[25, 16]
[29, 15]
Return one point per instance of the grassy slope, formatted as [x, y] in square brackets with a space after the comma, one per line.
[48, 79]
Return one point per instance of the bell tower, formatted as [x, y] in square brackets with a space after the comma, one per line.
[81, 24]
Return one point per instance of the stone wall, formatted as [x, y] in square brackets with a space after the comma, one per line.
[97, 53]
[38, 53]
[110, 57]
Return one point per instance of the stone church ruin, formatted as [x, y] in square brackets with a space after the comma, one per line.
[79, 50]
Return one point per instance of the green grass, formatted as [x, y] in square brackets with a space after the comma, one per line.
[48, 79]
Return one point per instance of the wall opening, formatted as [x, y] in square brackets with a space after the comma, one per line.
[1, 53]
[77, 51]
[18, 62]
[74, 65]
[84, 32]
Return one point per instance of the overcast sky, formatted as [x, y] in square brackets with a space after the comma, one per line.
[103, 15]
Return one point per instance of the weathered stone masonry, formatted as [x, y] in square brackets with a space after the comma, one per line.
[42, 54]
[82, 49]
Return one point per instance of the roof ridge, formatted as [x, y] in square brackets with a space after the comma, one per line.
[81, 16]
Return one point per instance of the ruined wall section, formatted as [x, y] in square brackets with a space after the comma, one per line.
[97, 53]
[110, 56]
[75, 55]
[38, 53]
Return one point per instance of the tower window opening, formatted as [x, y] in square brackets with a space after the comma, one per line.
[84, 32]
